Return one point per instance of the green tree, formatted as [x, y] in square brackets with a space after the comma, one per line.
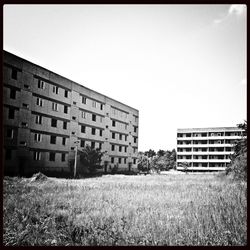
[143, 164]
[90, 159]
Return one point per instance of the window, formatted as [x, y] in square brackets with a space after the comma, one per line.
[53, 122]
[135, 139]
[120, 136]
[125, 149]
[100, 132]
[72, 148]
[125, 160]
[92, 144]
[8, 153]
[11, 113]
[93, 131]
[55, 89]
[38, 137]
[26, 86]
[113, 135]
[52, 156]
[120, 160]
[120, 148]
[93, 117]
[39, 101]
[126, 137]
[53, 139]
[84, 99]
[23, 143]
[135, 129]
[74, 103]
[63, 157]
[94, 104]
[113, 147]
[84, 114]
[83, 129]
[101, 106]
[66, 109]
[126, 126]
[100, 145]
[14, 74]
[12, 94]
[64, 125]
[113, 123]
[63, 140]
[25, 105]
[10, 133]
[82, 143]
[54, 106]
[37, 156]
[74, 118]
[66, 93]
[134, 160]
[24, 124]
[112, 159]
[38, 119]
[40, 84]
[73, 133]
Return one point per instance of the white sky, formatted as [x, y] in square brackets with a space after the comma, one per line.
[181, 66]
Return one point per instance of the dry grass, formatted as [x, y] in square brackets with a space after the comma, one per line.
[126, 210]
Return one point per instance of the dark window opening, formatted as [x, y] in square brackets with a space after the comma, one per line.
[53, 123]
[83, 129]
[64, 125]
[93, 131]
[52, 156]
[92, 144]
[11, 113]
[93, 117]
[64, 141]
[113, 135]
[100, 132]
[53, 139]
[14, 74]
[12, 94]
[63, 157]
[112, 159]
[66, 109]
[66, 94]
[10, 133]
[120, 160]
[113, 123]
[113, 147]
[82, 143]
[8, 154]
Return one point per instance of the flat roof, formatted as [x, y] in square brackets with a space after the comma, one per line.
[209, 129]
[70, 80]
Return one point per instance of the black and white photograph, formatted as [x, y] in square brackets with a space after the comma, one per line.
[124, 124]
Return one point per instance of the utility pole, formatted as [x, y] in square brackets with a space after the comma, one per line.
[76, 142]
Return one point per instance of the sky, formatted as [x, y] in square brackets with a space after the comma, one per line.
[181, 66]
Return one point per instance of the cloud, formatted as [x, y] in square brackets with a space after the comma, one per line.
[234, 10]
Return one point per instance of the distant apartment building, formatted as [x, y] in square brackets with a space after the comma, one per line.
[45, 115]
[206, 149]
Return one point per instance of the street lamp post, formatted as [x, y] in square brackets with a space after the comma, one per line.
[76, 142]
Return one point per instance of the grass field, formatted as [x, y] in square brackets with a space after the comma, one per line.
[189, 209]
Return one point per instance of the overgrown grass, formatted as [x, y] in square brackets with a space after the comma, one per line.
[125, 210]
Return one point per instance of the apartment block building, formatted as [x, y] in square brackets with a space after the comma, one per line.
[206, 149]
[46, 115]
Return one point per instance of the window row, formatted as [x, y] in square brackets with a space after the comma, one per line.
[55, 89]
[95, 104]
[119, 147]
[207, 134]
[52, 156]
[88, 115]
[92, 144]
[94, 131]
[119, 113]
[119, 125]
[120, 136]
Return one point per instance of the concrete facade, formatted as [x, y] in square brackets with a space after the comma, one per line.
[206, 149]
[45, 114]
